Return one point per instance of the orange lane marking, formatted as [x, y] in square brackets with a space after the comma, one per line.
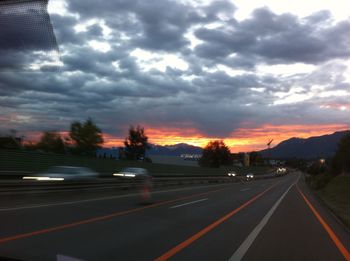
[210, 227]
[91, 220]
[330, 232]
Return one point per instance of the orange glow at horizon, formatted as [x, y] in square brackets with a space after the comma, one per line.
[336, 106]
[241, 140]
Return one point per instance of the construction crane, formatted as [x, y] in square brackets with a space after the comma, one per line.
[269, 143]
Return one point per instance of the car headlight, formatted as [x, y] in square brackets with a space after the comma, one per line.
[43, 178]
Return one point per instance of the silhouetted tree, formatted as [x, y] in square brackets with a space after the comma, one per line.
[50, 142]
[215, 154]
[10, 141]
[30, 145]
[86, 137]
[295, 163]
[341, 159]
[136, 144]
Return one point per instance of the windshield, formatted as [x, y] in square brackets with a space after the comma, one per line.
[174, 129]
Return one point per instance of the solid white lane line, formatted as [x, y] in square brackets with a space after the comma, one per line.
[243, 248]
[105, 198]
[245, 189]
[189, 203]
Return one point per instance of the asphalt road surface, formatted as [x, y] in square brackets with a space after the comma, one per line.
[272, 219]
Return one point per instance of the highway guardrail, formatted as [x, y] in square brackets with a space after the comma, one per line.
[18, 186]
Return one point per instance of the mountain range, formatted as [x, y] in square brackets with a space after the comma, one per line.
[174, 150]
[310, 148]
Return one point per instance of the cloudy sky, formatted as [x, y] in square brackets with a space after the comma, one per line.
[188, 71]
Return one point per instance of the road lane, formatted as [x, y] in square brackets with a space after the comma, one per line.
[243, 248]
[173, 251]
[150, 232]
[27, 200]
[189, 203]
[293, 233]
[331, 234]
[35, 217]
[220, 243]
[53, 217]
[63, 213]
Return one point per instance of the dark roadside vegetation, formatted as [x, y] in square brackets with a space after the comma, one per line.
[331, 180]
[336, 194]
[78, 148]
[21, 160]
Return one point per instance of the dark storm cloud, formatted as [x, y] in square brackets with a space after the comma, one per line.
[223, 86]
[153, 24]
[115, 89]
[156, 25]
[283, 38]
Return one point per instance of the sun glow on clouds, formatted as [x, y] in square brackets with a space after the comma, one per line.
[100, 46]
[58, 7]
[148, 60]
[230, 71]
[286, 69]
[295, 94]
[336, 106]
[194, 41]
[21, 119]
[299, 94]
[300, 7]
[83, 27]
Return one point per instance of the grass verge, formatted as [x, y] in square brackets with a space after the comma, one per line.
[336, 195]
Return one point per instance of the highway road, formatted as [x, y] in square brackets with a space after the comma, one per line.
[271, 219]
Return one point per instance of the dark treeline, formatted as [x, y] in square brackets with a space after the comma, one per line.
[323, 171]
[84, 138]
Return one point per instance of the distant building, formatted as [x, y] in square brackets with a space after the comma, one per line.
[191, 156]
[238, 159]
[173, 160]
[246, 160]
[273, 162]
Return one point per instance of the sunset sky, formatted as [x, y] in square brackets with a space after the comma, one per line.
[188, 71]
